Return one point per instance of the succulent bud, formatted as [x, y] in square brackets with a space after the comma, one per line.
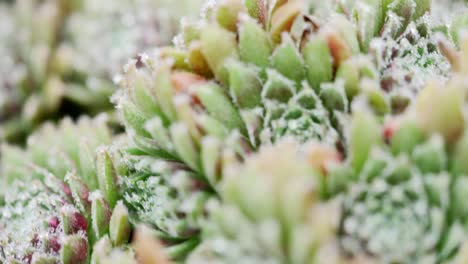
[119, 225]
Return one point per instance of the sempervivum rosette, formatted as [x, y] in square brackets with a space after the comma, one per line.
[281, 71]
[61, 195]
[401, 37]
[263, 83]
[169, 198]
[37, 221]
[41, 222]
[188, 104]
[402, 195]
[61, 148]
[409, 179]
[284, 69]
[273, 210]
[213, 165]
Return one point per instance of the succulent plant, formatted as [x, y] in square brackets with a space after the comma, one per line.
[405, 183]
[272, 132]
[404, 48]
[285, 69]
[54, 229]
[282, 72]
[187, 94]
[61, 195]
[408, 180]
[59, 149]
[402, 194]
[181, 113]
[273, 214]
[169, 198]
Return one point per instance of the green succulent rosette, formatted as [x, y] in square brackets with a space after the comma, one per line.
[181, 104]
[273, 214]
[285, 69]
[212, 162]
[174, 112]
[282, 71]
[407, 180]
[400, 198]
[33, 223]
[60, 195]
[61, 148]
[169, 198]
[402, 39]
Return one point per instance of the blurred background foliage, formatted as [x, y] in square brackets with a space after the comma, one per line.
[61, 57]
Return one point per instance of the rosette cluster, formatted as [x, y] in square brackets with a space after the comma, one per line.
[60, 195]
[272, 131]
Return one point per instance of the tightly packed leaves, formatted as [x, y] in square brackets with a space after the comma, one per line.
[270, 132]
[170, 198]
[58, 205]
[402, 194]
[272, 214]
[409, 179]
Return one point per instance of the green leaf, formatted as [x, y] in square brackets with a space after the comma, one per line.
[218, 45]
[365, 134]
[164, 91]
[254, 44]
[80, 192]
[220, 107]
[88, 165]
[287, 60]
[244, 85]
[278, 87]
[406, 138]
[100, 215]
[119, 227]
[185, 146]
[107, 177]
[211, 159]
[459, 164]
[318, 62]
